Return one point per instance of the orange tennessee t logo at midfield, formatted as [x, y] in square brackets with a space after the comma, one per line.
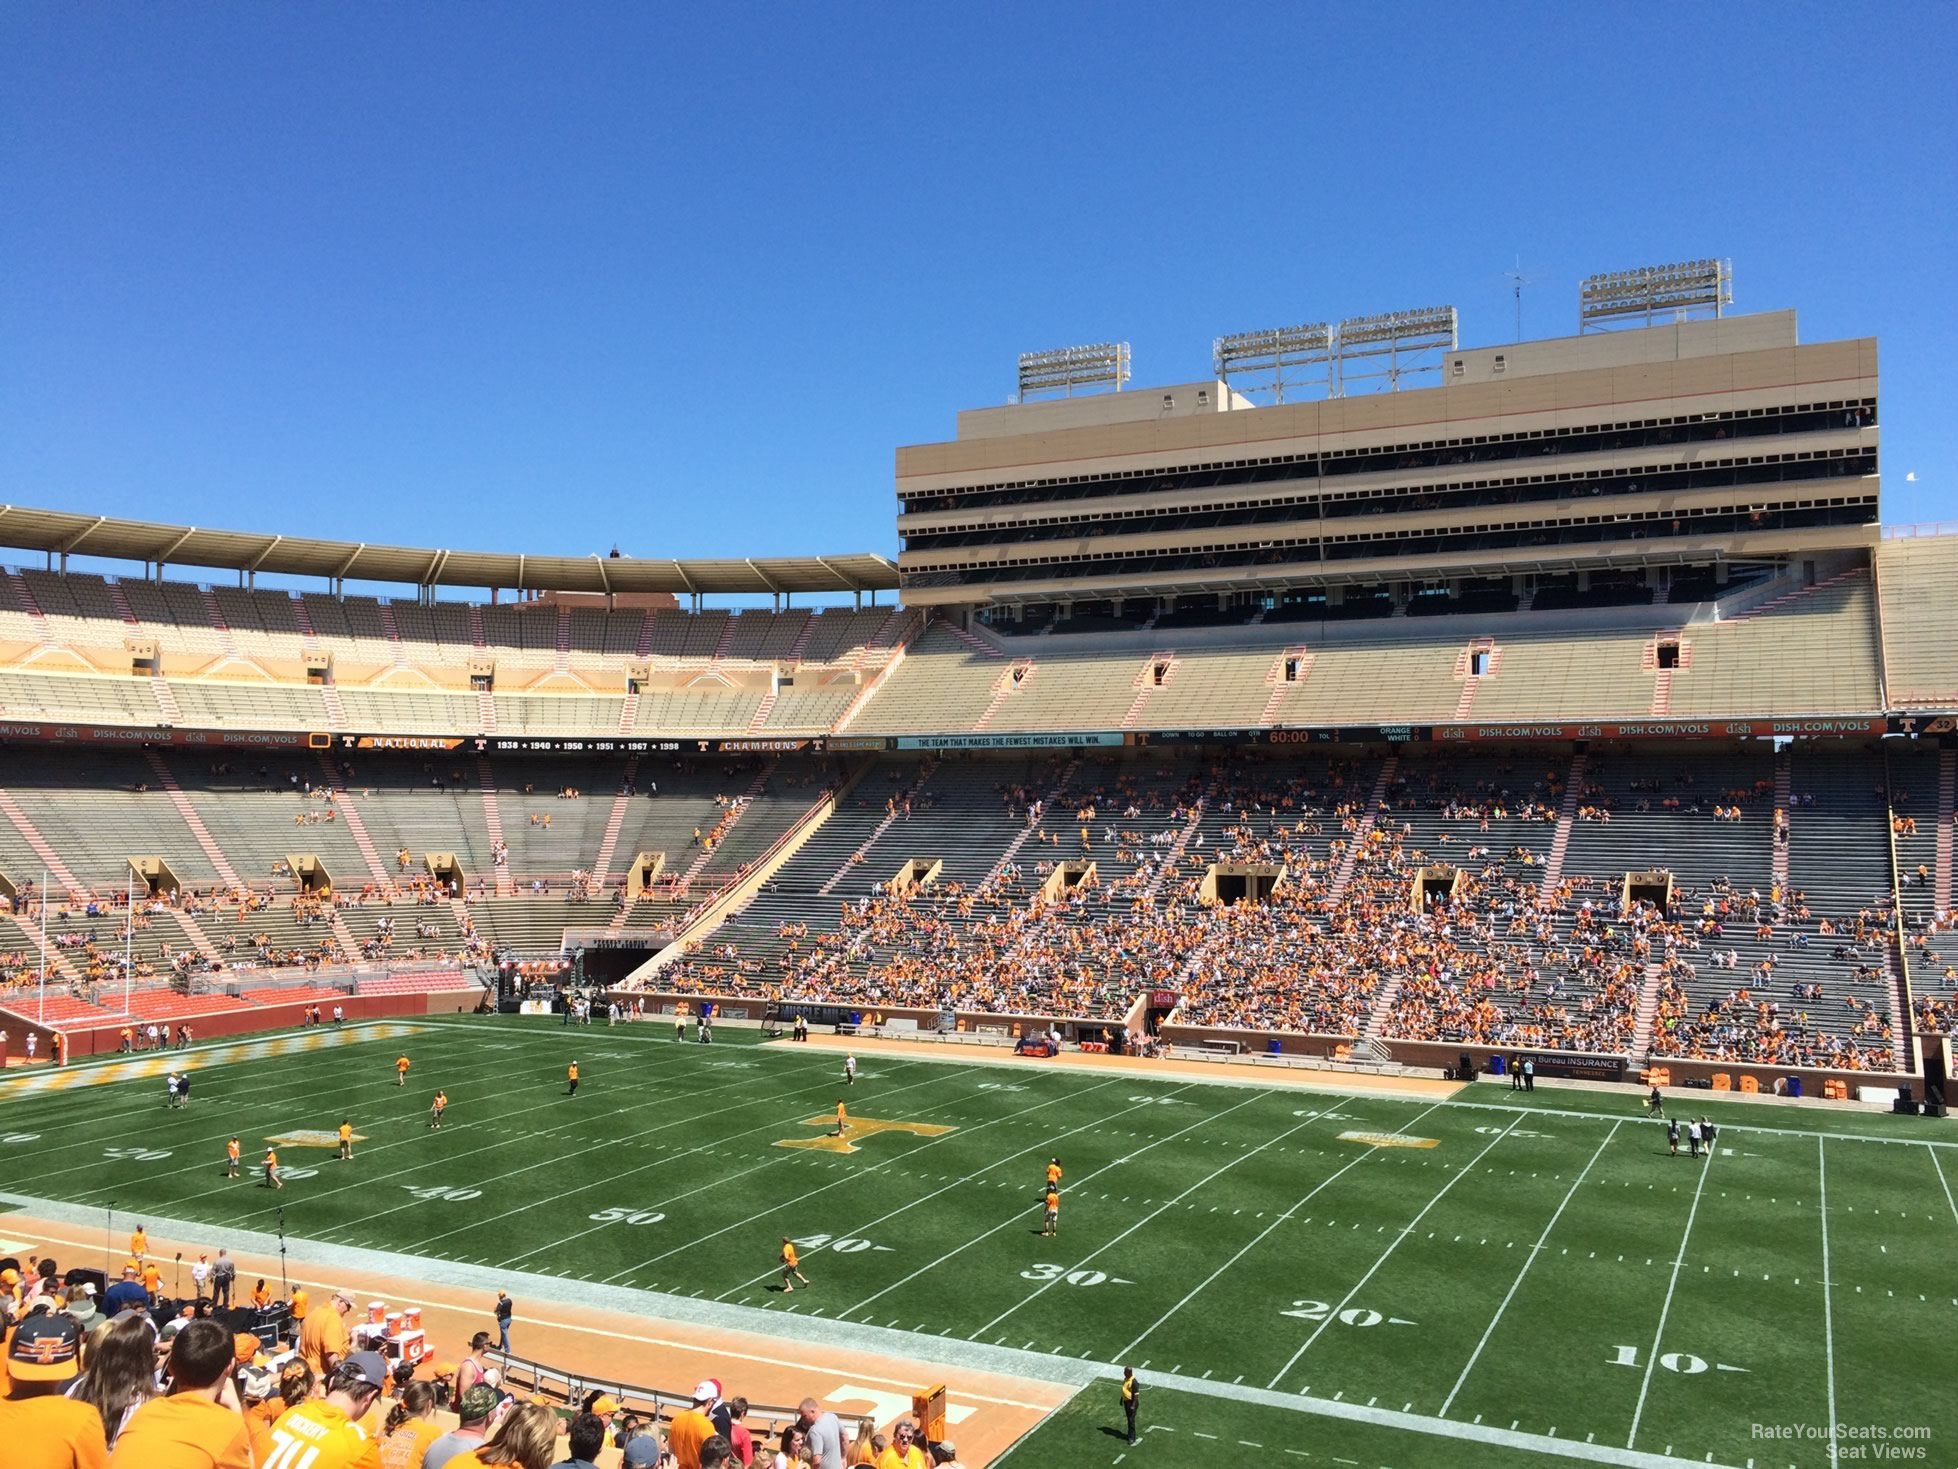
[859, 1127]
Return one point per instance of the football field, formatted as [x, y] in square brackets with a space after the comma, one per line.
[1295, 1274]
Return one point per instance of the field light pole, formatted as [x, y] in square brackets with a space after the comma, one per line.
[108, 1241]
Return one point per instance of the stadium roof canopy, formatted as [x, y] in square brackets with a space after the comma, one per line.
[61, 533]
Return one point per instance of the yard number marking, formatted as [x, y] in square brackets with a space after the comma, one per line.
[1496, 1131]
[1684, 1363]
[844, 1246]
[1052, 1273]
[1351, 1316]
[20, 1137]
[443, 1191]
[626, 1216]
[137, 1155]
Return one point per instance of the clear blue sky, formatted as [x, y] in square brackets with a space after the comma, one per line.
[542, 277]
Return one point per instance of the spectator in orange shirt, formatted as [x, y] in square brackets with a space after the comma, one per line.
[199, 1425]
[410, 1427]
[692, 1427]
[323, 1334]
[321, 1432]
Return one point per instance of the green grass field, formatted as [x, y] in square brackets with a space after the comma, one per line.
[1534, 1273]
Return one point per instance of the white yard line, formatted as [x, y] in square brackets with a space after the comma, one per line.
[1333, 1315]
[1019, 1215]
[1949, 1201]
[1652, 1357]
[1212, 1278]
[857, 1177]
[1154, 1213]
[1528, 1261]
[1828, 1304]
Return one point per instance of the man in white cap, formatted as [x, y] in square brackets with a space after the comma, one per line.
[692, 1427]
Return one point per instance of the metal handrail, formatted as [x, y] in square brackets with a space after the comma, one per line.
[572, 1387]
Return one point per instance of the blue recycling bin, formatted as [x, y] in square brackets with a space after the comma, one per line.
[1498, 1066]
[1275, 1047]
[1794, 1086]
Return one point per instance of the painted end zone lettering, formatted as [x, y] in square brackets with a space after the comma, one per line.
[1388, 1140]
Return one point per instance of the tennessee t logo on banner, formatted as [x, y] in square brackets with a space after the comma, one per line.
[859, 1127]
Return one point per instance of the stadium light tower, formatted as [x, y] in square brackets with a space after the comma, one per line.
[1063, 369]
[1272, 352]
[1653, 293]
[1409, 342]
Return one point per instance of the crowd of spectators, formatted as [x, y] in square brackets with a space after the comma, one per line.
[137, 1381]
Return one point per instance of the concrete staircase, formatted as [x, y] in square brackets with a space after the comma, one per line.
[486, 711]
[195, 935]
[561, 655]
[1947, 790]
[762, 711]
[493, 820]
[1901, 1026]
[356, 828]
[1662, 677]
[726, 640]
[1378, 1015]
[1176, 848]
[801, 644]
[393, 631]
[344, 937]
[166, 700]
[978, 644]
[476, 626]
[1553, 867]
[1783, 783]
[1648, 1010]
[119, 599]
[608, 845]
[629, 715]
[1144, 684]
[1777, 604]
[925, 773]
[336, 710]
[24, 597]
[202, 833]
[57, 870]
[748, 797]
[1351, 856]
[216, 616]
[1472, 681]
[1020, 837]
[1010, 683]
[1275, 676]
